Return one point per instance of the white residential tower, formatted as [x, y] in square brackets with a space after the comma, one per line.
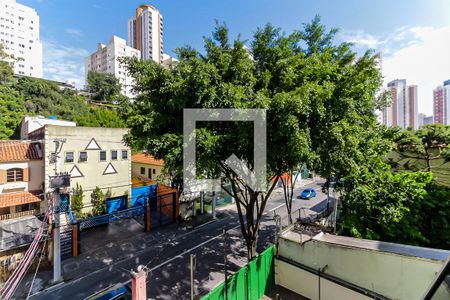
[403, 108]
[105, 60]
[19, 35]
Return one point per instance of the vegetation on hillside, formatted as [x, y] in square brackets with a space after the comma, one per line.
[33, 96]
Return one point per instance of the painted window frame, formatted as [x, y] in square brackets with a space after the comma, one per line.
[79, 157]
[16, 172]
[65, 157]
[117, 155]
[100, 155]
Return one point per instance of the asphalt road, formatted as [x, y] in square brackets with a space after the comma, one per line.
[166, 252]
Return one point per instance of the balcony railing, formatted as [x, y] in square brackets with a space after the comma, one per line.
[19, 214]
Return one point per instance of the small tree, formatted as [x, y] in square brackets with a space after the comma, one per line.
[77, 200]
[98, 201]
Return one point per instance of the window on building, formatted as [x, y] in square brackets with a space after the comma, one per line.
[102, 155]
[13, 175]
[142, 171]
[69, 157]
[114, 155]
[124, 154]
[154, 171]
[83, 156]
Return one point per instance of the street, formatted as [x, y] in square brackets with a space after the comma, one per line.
[165, 252]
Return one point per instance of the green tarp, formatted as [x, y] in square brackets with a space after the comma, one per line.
[249, 283]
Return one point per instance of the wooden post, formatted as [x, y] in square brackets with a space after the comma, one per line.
[74, 240]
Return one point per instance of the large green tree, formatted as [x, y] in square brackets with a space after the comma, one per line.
[103, 86]
[320, 101]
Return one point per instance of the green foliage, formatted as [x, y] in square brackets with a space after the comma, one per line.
[77, 200]
[103, 86]
[11, 112]
[6, 71]
[33, 96]
[320, 100]
[382, 205]
[98, 202]
[424, 149]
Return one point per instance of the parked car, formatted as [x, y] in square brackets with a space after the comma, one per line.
[308, 193]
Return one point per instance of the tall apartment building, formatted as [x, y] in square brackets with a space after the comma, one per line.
[403, 108]
[441, 104]
[145, 32]
[105, 60]
[19, 34]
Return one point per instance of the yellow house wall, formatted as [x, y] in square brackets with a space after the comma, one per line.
[136, 171]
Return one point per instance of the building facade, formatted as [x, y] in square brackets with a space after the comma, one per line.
[441, 103]
[105, 60]
[93, 156]
[146, 167]
[21, 179]
[402, 111]
[145, 33]
[19, 35]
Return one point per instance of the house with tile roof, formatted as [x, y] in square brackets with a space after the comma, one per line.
[146, 167]
[21, 178]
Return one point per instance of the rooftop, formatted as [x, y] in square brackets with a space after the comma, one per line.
[11, 151]
[144, 158]
[19, 198]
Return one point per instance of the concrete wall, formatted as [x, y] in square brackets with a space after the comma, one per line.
[391, 275]
[93, 171]
[36, 176]
[307, 284]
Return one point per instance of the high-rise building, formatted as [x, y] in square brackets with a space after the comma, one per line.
[105, 60]
[19, 35]
[145, 33]
[425, 120]
[403, 108]
[441, 104]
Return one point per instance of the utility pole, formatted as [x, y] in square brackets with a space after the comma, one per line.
[56, 226]
[192, 266]
[225, 261]
[202, 202]
[213, 205]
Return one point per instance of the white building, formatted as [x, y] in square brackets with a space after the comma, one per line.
[19, 34]
[403, 108]
[105, 60]
[145, 32]
[30, 124]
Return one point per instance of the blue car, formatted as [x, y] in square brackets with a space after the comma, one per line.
[308, 193]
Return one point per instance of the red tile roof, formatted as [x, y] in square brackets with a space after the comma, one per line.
[18, 198]
[144, 158]
[19, 151]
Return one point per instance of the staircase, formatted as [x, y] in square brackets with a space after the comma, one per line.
[66, 235]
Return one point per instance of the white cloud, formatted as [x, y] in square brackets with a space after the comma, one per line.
[418, 54]
[74, 32]
[360, 38]
[64, 63]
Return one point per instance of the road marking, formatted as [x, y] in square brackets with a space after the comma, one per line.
[281, 205]
[124, 259]
[167, 261]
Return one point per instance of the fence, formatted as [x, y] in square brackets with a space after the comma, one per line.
[250, 282]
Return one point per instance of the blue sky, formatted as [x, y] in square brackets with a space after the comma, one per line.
[405, 31]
